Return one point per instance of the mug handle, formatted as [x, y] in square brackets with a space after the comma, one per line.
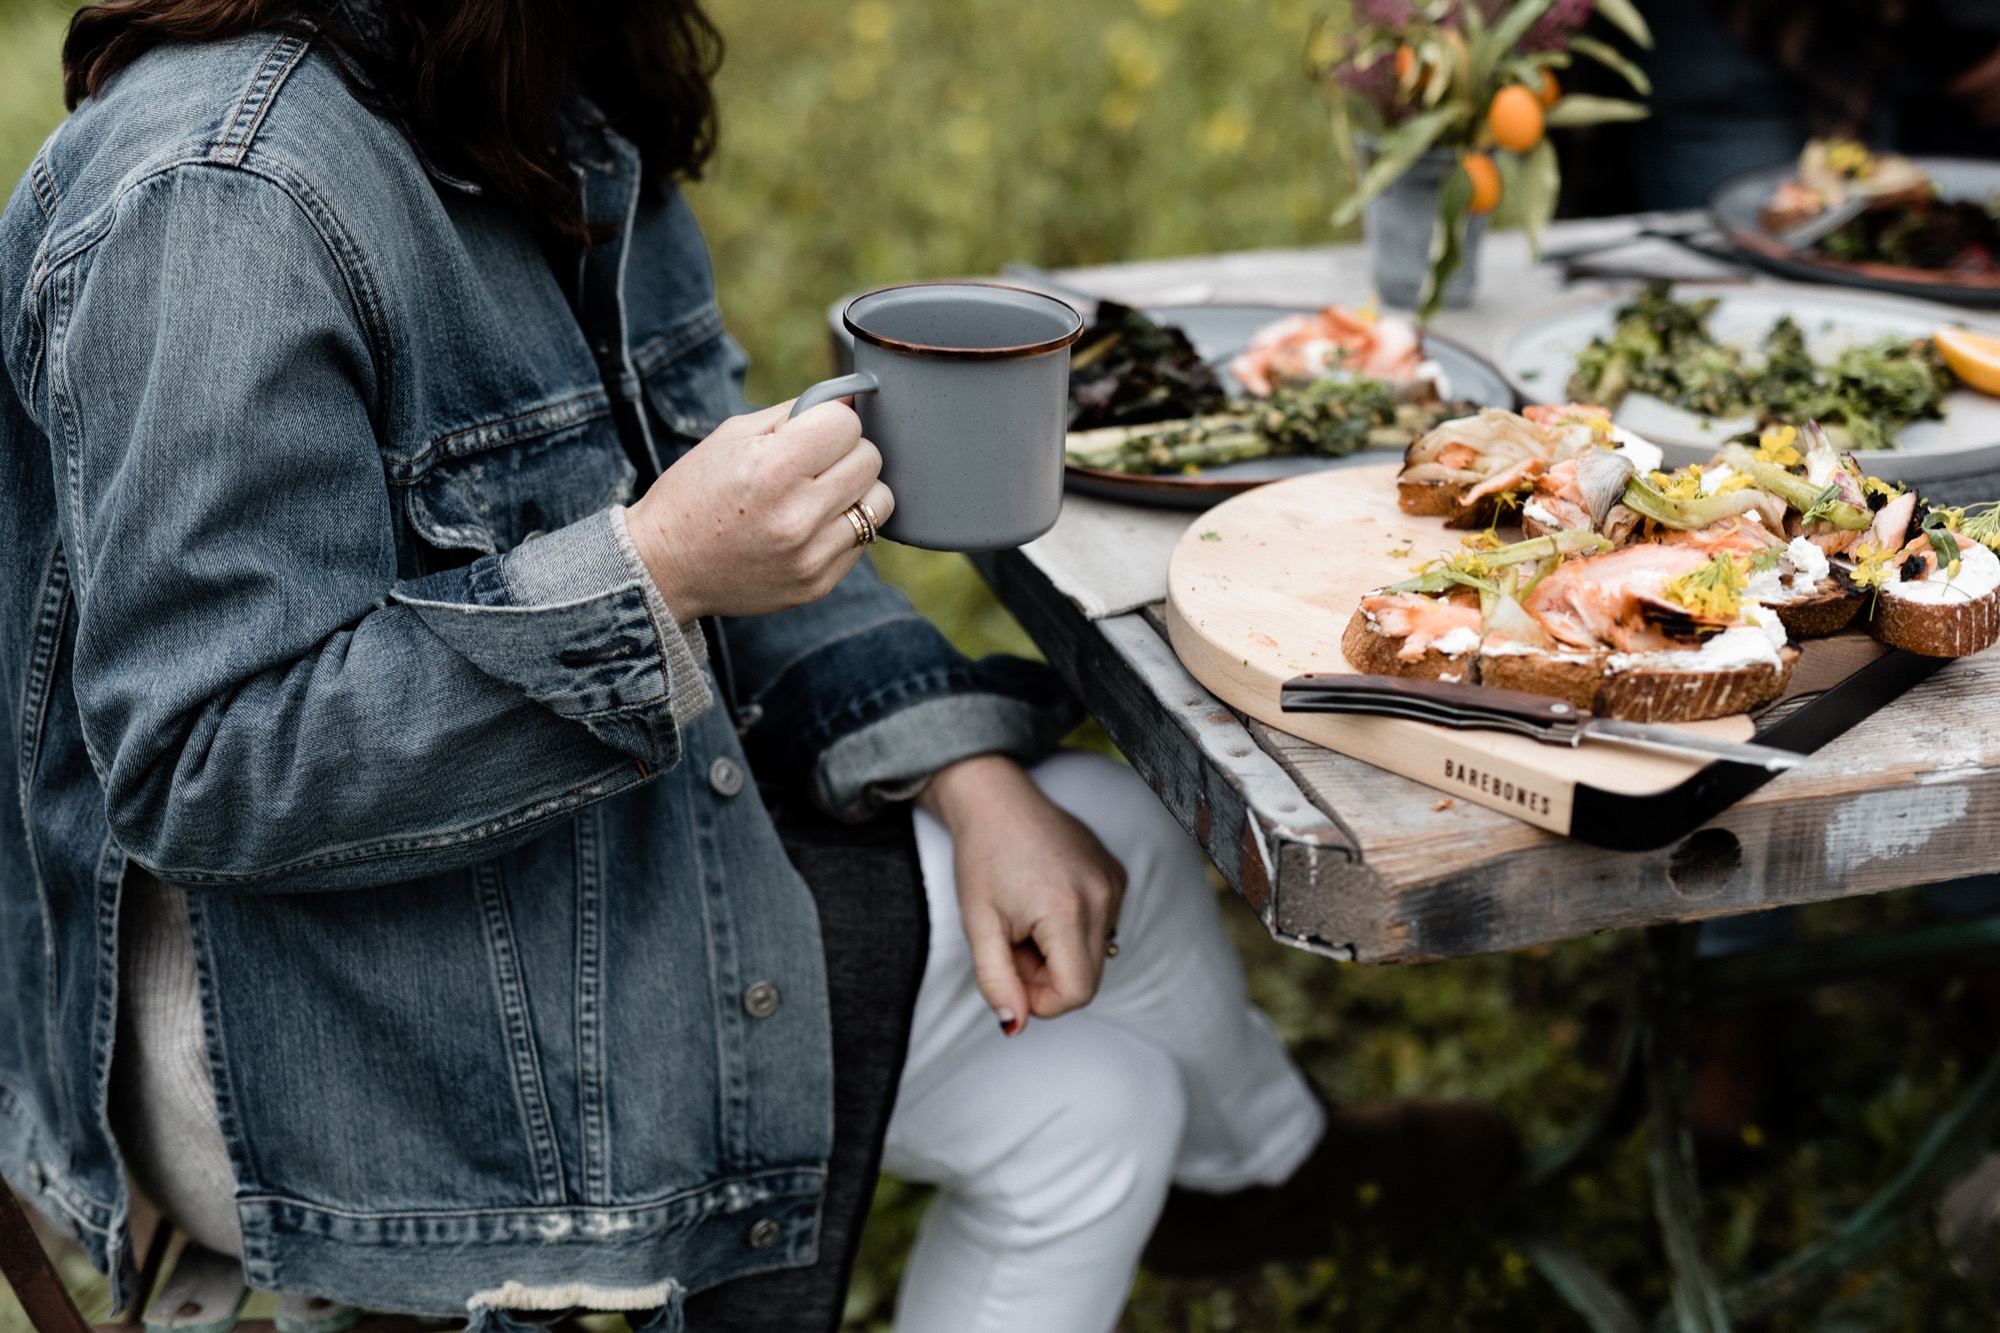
[828, 390]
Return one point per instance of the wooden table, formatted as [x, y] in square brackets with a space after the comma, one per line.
[1350, 861]
[1356, 863]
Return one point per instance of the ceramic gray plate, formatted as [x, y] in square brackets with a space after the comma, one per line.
[1539, 353]
[1737, 206]
[1219, 331]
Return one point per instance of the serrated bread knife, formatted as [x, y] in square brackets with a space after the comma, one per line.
[1484, 708]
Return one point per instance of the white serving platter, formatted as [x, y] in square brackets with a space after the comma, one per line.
[1538, 354]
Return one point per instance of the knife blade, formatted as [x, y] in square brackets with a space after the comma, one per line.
[1486, 708]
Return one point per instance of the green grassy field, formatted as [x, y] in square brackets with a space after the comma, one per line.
[873, 142]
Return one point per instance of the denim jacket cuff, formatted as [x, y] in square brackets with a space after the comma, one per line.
[686, 647]
[893, 759]
[562, 618]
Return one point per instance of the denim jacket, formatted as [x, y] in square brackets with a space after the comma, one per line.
[314, 602]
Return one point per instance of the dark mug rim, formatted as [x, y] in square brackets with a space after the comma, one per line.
[963, 353]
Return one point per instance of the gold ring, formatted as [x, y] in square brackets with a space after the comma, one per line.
[868, 512]
[864, 531]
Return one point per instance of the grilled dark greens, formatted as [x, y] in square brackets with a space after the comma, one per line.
[1127, 369]
[1663, 347]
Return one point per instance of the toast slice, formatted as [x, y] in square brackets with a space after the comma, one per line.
[1573, 677]
[1830, 608]
[1438, 498]
[1657, 687]
[1373, 650]
[1936, 613]
[1662, 687]
[1660, 690]
[1938, 629]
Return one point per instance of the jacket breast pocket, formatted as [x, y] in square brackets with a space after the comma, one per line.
[693, 380]
[487, 490]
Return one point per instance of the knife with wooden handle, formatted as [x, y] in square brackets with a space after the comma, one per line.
[1485, 708]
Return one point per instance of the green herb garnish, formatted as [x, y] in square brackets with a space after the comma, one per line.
[1822, 506]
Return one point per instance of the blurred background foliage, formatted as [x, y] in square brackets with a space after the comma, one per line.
[885, 140]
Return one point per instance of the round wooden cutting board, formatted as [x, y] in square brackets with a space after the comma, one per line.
[1260, 589]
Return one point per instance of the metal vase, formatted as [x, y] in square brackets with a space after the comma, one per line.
[1400, 224]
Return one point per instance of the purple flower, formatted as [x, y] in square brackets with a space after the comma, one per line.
[1375, 85]
[1389, 13]
[1553, 30]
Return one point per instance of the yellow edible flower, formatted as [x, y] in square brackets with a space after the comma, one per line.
[1779, 446]
[1470, 565]
[1872, 568]
[1739, 482]
[1716, 589]
[1488, 540]
[1682, 485]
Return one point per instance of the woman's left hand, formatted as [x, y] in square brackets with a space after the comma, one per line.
[1038, 892]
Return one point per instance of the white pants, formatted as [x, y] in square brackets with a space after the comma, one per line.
[1053, 1150]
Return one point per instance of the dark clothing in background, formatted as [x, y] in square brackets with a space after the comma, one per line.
[1742, 84]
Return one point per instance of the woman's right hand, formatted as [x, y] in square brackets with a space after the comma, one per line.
[750, 520]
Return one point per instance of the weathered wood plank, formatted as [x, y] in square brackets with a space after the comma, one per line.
[1910, 796]
[1238, 803]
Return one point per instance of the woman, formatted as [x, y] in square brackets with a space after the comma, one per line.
[396, 597]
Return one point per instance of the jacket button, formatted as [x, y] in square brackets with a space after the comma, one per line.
[764, 1235]
[726, 777]
[761, 1000]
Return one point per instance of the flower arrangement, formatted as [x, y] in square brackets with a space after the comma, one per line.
[1477, 76]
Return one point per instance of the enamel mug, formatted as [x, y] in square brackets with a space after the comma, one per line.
[964, 387]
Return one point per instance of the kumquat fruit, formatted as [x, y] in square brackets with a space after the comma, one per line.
[1515, 119]
[1485, 178]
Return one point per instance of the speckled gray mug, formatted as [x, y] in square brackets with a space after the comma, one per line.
[964, 387]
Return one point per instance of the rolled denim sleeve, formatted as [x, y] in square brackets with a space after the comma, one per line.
[856, 698]
[265, 702]
[572, 618]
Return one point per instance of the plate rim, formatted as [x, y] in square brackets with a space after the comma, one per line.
[1760, 243]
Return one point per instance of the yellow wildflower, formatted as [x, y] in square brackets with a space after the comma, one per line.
[1872, 567]
[1226, 131]
[1682, 485]
[1779, 446]
[1715, 589]
[871, 20]
[1133, 55]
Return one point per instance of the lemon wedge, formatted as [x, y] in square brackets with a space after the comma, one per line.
[1973, 357]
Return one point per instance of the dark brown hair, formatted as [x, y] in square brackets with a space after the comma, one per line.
[479, 85]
